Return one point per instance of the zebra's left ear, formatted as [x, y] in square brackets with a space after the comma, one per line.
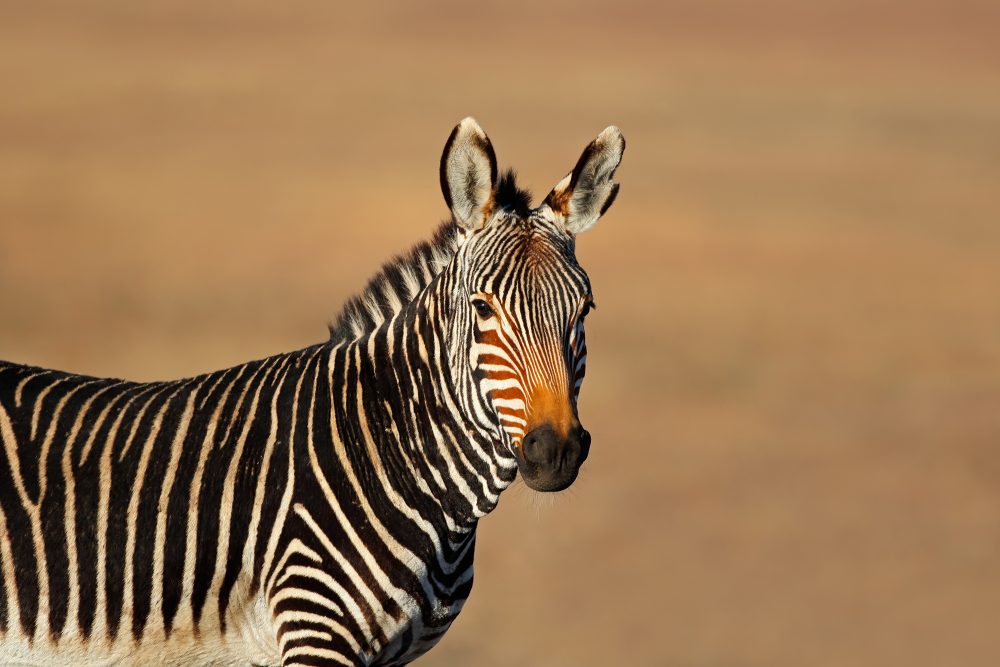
[588, 191]
[469, 175]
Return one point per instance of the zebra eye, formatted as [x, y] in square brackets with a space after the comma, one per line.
[482, 308]
[587, 307]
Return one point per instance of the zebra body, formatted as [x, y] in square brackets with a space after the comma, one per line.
[319, 506]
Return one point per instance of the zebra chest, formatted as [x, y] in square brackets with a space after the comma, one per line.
[425, 622]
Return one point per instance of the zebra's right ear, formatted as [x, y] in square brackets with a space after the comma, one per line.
[469, 175]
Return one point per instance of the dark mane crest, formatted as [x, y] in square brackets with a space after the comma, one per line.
[395, 285]
[401, 278]
[510, 196]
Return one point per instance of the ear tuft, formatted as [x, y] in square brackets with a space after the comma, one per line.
[469, 175]
[583, 196]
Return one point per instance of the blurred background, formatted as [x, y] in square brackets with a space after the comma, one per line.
[794, 374]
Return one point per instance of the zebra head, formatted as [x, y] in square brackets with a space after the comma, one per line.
[520, 297]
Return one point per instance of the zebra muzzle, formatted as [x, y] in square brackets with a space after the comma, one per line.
[550, 462]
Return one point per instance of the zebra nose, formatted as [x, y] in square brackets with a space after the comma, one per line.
[541, 447]
[550, 462]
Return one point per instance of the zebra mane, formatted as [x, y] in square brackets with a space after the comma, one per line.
[395, 285]
[404, 276]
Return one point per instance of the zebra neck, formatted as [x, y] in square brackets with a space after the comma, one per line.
[397, 406]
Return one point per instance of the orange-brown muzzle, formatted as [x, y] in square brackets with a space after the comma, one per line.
[555, 444]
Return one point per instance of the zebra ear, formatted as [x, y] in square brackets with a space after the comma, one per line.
[588, 191]
[469, 175]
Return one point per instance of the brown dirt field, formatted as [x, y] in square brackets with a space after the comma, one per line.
[794, 382]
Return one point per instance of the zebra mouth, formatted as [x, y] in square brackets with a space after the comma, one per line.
[548, 462]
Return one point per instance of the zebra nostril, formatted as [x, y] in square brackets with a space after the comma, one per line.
[542, 447]
[529, 445]
[584, 445]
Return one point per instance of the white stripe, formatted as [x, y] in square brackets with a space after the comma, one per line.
[160, 538]
[32, 510]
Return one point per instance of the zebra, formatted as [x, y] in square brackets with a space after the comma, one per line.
[317, 507]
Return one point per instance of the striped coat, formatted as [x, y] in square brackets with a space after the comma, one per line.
[320, 506]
